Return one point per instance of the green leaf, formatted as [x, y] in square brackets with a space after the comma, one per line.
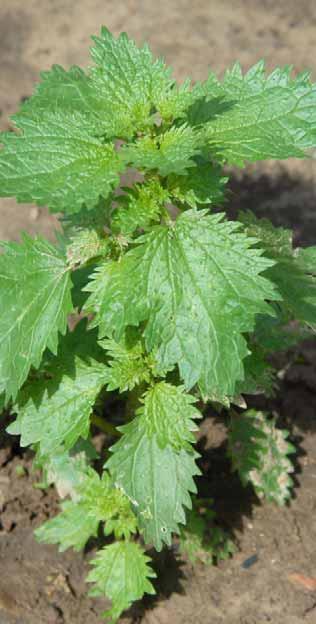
[2, 402]
[204, 184]
[276, 241]
[112, 300]
[128, 366]
[57, 161]
[171, 152]
[206, 104]
[139, 207]
[274, 334]
[245, 444]
[306, 259]
[70, 529]
[138, 89]
[64, 470]
[254, 117]
[96, 218]
[259, 451]
[192, 539]
[200, 539]
[68, 92]
[80, 278]
[35, 300]
[130, 81]
[55, 409]
[101, 499]
[85, 245]
[260, 376]
[121, 573]
[179, 99]
[122, 522]
[119, 96]
[168, 412]
[198, 283]
[298, 290]
[292, 276]
[156, 479]
[94, 497]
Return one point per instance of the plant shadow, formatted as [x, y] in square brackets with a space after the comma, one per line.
[271, 191]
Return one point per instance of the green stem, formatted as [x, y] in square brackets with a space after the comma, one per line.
[104, 426]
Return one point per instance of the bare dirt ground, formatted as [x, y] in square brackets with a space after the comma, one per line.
[40, 586]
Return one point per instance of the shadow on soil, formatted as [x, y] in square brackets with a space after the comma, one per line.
[287, 199]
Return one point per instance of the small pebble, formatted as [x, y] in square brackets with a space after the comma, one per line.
[249, 562]
[34, 213]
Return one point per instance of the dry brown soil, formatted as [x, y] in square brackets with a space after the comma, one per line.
[40, 586]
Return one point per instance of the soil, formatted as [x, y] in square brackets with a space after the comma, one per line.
[38, 585]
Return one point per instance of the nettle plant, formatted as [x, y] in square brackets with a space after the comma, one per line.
[179, 306]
